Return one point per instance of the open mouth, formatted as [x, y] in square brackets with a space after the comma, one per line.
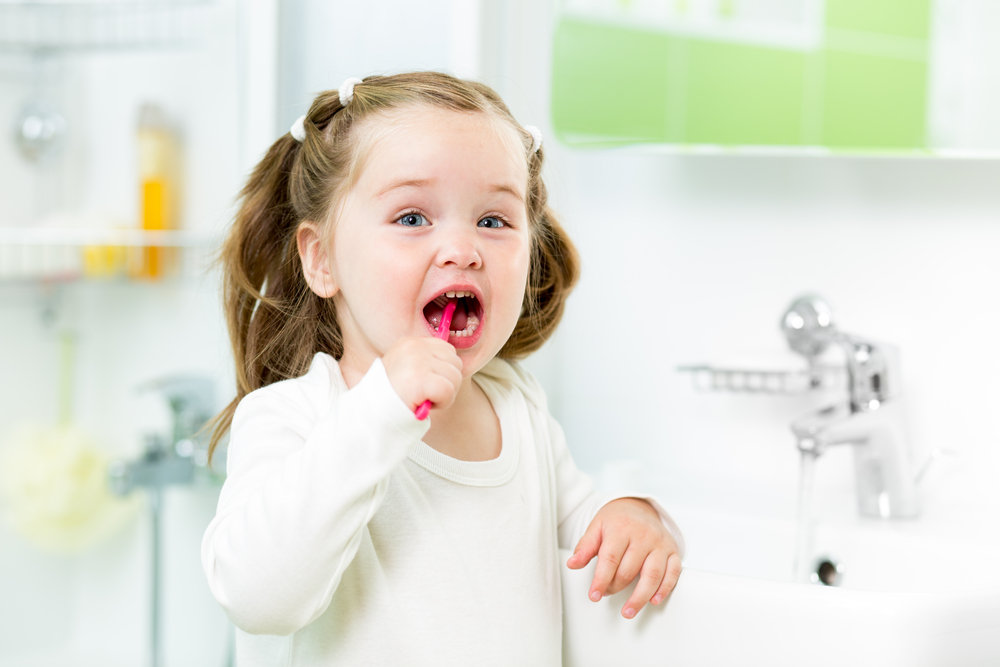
[468, 312]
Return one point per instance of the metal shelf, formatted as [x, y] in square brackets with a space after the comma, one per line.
[45, 26]
[67, 255]
[66, 236]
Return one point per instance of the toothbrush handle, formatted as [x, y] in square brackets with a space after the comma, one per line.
[424, 408]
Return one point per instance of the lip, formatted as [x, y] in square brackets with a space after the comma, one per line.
[460, 342]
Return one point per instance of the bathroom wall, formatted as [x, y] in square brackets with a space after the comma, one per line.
[692, 258]
[686, 258]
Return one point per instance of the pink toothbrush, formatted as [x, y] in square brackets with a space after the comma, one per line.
[444, 328]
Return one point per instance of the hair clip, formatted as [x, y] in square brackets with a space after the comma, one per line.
[536, 137]
[346, 90]
[298, 129]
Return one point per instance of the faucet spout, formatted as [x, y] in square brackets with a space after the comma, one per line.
[869, 419]
[885, 486]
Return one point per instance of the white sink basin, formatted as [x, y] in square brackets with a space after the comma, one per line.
[912, 594]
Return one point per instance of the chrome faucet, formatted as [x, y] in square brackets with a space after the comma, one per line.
[868, 419]
[166, 460]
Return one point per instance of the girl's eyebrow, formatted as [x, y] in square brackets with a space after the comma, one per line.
[410, 183]
[421, 182]
[509, 189]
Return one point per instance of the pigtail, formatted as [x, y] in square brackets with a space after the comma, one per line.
[251, 258]
[276, 323]
[274, 319]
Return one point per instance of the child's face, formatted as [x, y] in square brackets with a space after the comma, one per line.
[438, 207]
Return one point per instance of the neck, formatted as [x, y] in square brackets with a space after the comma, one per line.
[469, 429]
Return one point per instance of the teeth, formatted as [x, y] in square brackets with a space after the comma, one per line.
[471, 324]
[470, 328]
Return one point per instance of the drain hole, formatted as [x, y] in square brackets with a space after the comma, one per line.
[826, 573]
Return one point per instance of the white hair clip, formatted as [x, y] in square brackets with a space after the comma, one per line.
[536, 137]
[346, 90]
[298, 129]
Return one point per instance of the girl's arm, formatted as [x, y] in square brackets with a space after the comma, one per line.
[633, 538]
[306, 472]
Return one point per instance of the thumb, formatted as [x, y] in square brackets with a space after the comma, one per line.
[587, 547]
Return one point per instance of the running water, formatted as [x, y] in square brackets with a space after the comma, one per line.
[805, 524]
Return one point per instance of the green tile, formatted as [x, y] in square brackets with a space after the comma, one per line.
[864, 89]
[610, 83]
[874, 102]
[744, 94]
[901, 18]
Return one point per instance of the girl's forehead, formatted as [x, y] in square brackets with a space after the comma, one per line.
[421, 136]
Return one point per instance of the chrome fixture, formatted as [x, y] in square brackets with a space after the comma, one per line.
[39, 131]
[166, 461]
[868, 418]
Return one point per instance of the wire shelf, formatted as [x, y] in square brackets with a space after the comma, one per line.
[708, 378]
[39, 26]
[67, 255]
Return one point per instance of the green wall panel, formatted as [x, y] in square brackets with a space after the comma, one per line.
[873, 102]
[743, 94]
[901, 18]
[610, 83]
[862, 86]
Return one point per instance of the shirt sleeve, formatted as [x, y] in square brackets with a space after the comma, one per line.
[579, 502]
[304, 478]
[576, 500]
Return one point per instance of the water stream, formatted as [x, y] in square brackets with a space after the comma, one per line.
[805, 522]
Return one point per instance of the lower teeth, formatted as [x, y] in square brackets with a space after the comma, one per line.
[470, 328]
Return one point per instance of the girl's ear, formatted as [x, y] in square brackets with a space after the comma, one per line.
[316, 267]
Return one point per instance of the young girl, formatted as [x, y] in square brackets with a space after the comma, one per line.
[349, 531]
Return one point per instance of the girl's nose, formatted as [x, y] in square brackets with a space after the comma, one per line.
[459, 249]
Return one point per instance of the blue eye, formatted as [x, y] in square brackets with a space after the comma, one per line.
[412, 220]
[492, 222]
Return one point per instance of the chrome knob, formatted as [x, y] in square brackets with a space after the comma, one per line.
[808, 325]
[39, 131]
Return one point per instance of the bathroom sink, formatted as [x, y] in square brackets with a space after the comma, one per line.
[910, 593]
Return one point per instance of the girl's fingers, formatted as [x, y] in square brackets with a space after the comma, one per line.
[669, 580]
[587, 547]
[628, 549]
[628, 569]
[650, 581]
[608, 559]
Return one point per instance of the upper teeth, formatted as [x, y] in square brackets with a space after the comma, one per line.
[459, 295]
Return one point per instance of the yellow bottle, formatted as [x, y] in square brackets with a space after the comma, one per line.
[158, 195]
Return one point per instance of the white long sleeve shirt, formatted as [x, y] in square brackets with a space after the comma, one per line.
[342, 539]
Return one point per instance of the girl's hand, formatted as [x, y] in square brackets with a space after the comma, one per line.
[629, 541]
[424, 368]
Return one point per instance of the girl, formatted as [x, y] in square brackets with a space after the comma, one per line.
[349, 531]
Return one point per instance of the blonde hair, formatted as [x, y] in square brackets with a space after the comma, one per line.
[276, 323]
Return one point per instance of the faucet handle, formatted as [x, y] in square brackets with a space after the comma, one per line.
[190, 399]
[872, 368]
[808, 325]
[873, 371]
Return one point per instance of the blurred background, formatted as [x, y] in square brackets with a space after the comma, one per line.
[712, 159]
